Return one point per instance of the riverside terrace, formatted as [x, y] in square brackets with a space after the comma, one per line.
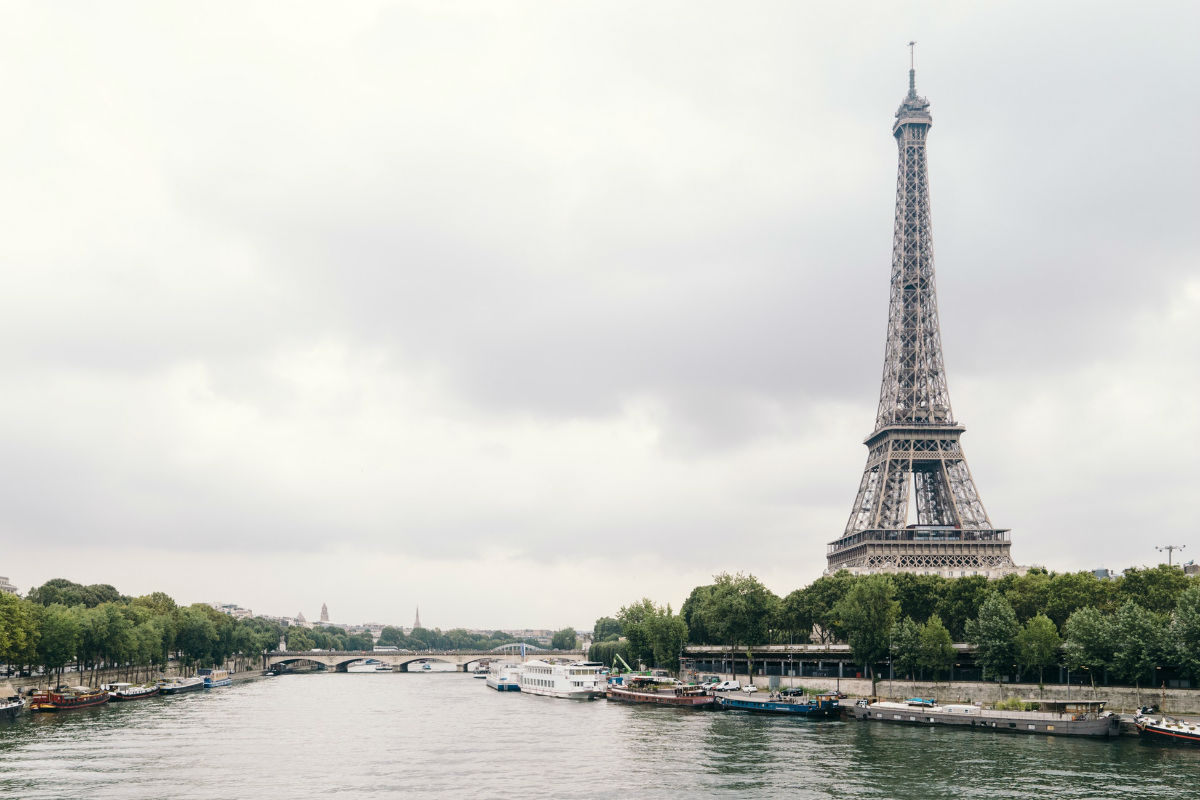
[463, 660]
[835, 661]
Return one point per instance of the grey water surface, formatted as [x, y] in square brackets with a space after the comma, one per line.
[447, 735]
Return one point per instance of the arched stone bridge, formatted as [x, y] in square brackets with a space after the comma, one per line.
[463, 660]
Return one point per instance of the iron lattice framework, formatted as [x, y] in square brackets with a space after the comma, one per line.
[915, 447]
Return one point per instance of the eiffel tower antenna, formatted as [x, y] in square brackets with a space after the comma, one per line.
[915, 448]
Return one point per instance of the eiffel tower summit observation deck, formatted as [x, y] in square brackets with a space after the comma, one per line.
[914, 456]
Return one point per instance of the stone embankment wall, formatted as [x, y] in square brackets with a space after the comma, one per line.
[1120, 698]
[28, 685]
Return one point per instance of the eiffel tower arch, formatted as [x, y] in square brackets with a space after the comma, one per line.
[914, 453]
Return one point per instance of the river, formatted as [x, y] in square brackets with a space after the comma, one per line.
[444, 735]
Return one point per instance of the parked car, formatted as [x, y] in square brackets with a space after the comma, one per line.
[726, 686]
[750, 688]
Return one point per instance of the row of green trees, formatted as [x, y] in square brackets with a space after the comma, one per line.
[455, 639]
[1020, 624]
[95, 627]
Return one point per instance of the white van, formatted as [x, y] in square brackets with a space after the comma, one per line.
[726, 686]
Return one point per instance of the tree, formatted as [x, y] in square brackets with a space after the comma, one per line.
[634, 619]
[1072, 591]
[391, 637]
[1038, 644]
[1088, 642]
[1185, 631]
[1138, 637]
[994, 635]
[867, 614]
[936, 652]
[818, 601]
[1028, 594]
[737, 611]
[918, 595]
[606, 628]
[961, 601]
[607, 651]
[299, 639]
[1156, 589]
[564, 639]
[906, 646]
[18, 630]
[668, 635]
[692, 613]
[59, 637]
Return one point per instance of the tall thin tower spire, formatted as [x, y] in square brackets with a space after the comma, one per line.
[915, 448]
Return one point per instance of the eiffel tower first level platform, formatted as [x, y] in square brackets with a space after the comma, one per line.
[914, 457]
[952, 536]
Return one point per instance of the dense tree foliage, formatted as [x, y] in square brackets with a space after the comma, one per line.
[867, 614]
[564, 639]
[1023, 624]
[994, 634]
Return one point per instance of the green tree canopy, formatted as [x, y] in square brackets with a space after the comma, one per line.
[1088, 641]
[564, 639]
[1038, 645]
[867, 614]
[994, 634]
[906, 647]
[937, 653]
[1185, 632]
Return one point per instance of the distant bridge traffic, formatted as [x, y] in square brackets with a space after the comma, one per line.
[399, 661]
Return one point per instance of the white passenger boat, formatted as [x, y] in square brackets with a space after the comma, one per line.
[370, 665]
[579, 680]
[504, 677]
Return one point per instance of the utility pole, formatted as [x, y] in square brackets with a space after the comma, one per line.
[1170, 548]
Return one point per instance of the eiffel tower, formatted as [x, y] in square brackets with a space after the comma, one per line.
[915, 449]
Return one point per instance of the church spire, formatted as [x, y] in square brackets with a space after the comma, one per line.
[417, 621]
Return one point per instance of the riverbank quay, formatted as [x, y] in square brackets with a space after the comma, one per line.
[26, 686]
[1122, 699]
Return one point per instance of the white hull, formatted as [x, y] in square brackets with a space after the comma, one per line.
[578, 681]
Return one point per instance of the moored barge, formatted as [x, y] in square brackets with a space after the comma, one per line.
[1168, 730]
[661, 692]
[67, 698]
[123, 692]
[10, 702]
[1052, 717]
[823, 706]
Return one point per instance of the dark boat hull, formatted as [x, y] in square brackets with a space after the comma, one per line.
[819, 710]
[57, 703]
[705, 702]
[1161, 735]
[125, 698]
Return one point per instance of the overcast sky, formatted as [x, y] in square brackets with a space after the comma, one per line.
[522, 311]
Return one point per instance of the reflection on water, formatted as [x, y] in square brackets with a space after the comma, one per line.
[441, 735]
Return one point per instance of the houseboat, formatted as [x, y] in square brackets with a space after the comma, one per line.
[10, 702]
[180, 685]
[660, 691]
[1051, 717]
[504, 677]
[122, 692]
[822, 706]
[579, 680]
[66, 698]
[1168, 730]
[215, 677]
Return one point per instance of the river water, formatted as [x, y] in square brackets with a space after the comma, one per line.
[444, 735]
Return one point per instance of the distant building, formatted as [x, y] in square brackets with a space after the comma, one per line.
[417, 621]
[1105, 574]
[301, 621]
[233, 610]
[1190, 568]
[324, 613]
[6, 585]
